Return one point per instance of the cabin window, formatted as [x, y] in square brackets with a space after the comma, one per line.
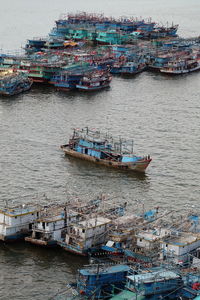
[15, 217]
[166, 245]
[37, 214]
[83, 230]
[43, 225]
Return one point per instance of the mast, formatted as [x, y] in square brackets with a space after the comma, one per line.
[132, 146]
[120, 145]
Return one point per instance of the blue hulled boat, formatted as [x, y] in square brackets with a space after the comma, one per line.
[97, 280]
[13, 83]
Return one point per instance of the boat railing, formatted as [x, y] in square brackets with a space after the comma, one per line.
[119, 145]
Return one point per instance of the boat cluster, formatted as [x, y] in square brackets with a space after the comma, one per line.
[146, 252]
[72, 56]
[150, 254]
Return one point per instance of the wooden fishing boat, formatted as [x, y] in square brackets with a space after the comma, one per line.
[103, 149]
[94, 81]
[13, 82]
[181, 66]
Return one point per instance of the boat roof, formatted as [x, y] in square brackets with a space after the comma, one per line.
[100, 137]
[153, 235]
[19, 211]
[182, 239]
[158, 275]
[92, 223]
[127, 219]
[95, 269]
[49, 219]
[148, 236]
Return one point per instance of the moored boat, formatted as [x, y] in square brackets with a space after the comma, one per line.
[94, 81]
[100, 280]
[16, 222]
[13, 82]
[85, 236]
[68, 77]
[48, 229]
[131, 68]
[181, 66]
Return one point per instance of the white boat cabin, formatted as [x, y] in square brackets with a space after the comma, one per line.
[49, 228]
[179, 246]
[88, 233]
[17, 222]
[149, 240]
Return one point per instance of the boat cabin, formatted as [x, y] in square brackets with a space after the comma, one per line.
[154, 282]
[150, 240]
[99, 279]
[179, 246]
[50, 229]
[85, 235]
[17, 222]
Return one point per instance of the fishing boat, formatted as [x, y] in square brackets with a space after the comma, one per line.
[181, 66]
[134, 67]
[94, 81]
[125, 237]
[116, 67]
[154, 31]
[122, 234]
[180, 246]
[68, 77]
[158, 281]
[111, 37]
[165, 57]
[103, 149]
[53, 222]
[35, 44]
[98, 280]
[54, 43]
[66, 81]
[48, 228]
[13, 82]
[85, 236]
[42, 72]
[16, 222]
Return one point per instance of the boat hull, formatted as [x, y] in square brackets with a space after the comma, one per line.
[138, 166]
[91, 88]
[179, 72]
[13, 238]
[71, 249]
[16, 91]
[129, 73]
[41, 242]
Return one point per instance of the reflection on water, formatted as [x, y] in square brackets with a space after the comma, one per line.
[88, 168]
[34, 272]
